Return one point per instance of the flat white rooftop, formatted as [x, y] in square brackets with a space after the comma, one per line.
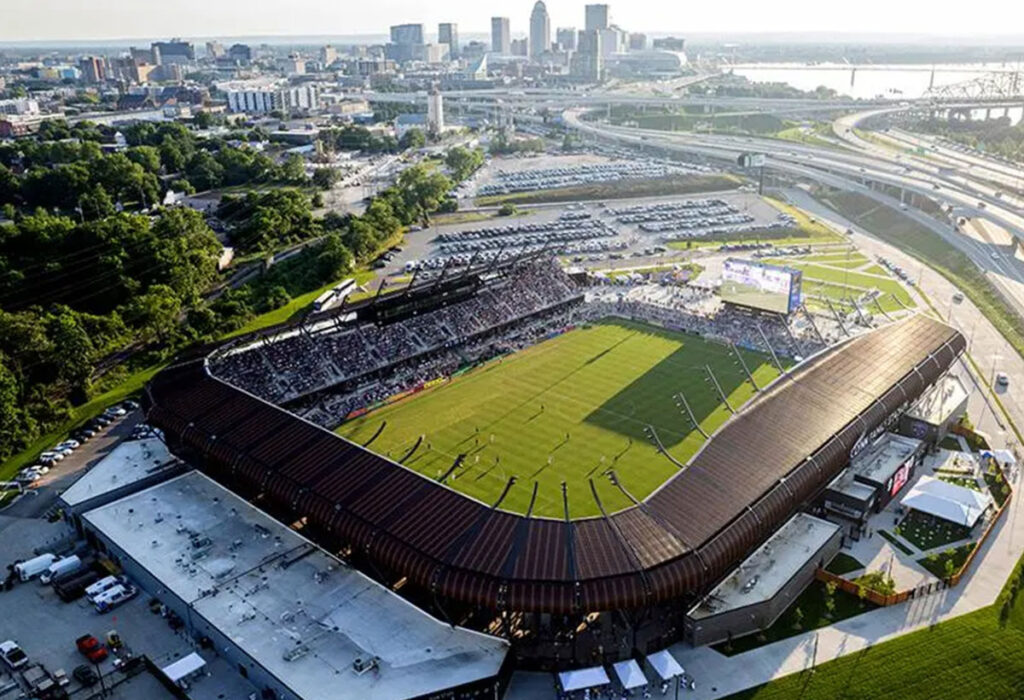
[763, 574]
[300, 613]
[129, 462]
[940, 401]
[883, 457]
[844, 483]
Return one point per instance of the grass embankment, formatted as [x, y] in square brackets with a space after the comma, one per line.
[978, 656]
[568, 409]
[297, 307]
[808, 612]
[133, 383]
[625, 189]
[79, 415]
[914, 239]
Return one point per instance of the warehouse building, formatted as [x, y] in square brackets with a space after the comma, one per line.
[295, 621]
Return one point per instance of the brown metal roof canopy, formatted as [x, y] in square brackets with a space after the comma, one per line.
[753, 474]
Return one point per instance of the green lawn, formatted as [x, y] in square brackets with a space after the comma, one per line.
[891, 226]
[978, 656]
[887, 286]
[296, 307]
[843, 564]
[895, 542]
[570, 408]
[936, 562]
[928, 532]
[812, 614]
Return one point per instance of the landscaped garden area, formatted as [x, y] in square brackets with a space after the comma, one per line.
[928, 532]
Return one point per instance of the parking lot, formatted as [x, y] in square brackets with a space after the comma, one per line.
[46, 627]
[590, 233]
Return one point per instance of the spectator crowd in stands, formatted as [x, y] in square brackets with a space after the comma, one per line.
[332, 370]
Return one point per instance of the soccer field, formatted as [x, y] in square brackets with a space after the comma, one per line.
[569, 409]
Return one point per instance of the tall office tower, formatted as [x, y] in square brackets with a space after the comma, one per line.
[407, 34]
[448, 33]
[406, 43]
[93, 69]
[214, 49]
[588, 63]
[501, 36]
[328, 55]
[637, 42]
[566, 38]
[596, 17]
[540, 30]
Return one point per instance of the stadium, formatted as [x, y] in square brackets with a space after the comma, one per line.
[521, 454]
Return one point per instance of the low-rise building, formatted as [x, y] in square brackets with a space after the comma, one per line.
[294, 620]
[760, 589]
[932, 415]
[876, 474]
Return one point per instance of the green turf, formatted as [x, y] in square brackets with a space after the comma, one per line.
[598, 385]
[978, 656]
[850, 278]
[843, 564]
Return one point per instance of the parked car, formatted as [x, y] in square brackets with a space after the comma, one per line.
[114, 597]
[33, 567]
[61, 567]
[85, 675]
[91, 648]
[12, 654]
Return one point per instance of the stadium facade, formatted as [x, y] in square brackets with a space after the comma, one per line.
[567, 592]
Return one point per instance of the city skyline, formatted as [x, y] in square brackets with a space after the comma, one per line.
[58, 21]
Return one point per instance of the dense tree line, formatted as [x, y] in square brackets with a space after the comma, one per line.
[999, 136]
[82, 281]
[80, 170]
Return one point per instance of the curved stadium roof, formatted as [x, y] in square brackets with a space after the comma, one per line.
[749, 478]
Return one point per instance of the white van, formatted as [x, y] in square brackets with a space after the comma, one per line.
[115, 596]
[35, 566]
[104, 584]
[62, 566]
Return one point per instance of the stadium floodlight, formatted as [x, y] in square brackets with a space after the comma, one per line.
[718, 387]
[693, 419]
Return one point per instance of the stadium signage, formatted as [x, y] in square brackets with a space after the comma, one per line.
[759, 286]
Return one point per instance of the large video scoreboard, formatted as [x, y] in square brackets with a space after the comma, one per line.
[760, 286]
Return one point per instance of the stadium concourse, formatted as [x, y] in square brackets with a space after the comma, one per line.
[565, 591]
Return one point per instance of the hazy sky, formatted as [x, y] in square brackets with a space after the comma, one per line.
[28, 20]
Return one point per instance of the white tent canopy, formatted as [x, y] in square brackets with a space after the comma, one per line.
[630, 674]
[583, 678]
[665, 665]
[183, 667]
[947, 501]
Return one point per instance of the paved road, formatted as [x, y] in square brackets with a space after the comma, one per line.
[35, 502]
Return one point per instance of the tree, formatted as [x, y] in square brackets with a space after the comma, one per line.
[293, 170]
[326, 178]
[463, 162]
[798, 618]
[507, 209]
[830, 598]
[204, 172]
[204, 120]
[277, 296]
[96, 204]
[156, 311]
[422, 190]
[186, 251]
[334, 259]
[148, 157]
[413, 138]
